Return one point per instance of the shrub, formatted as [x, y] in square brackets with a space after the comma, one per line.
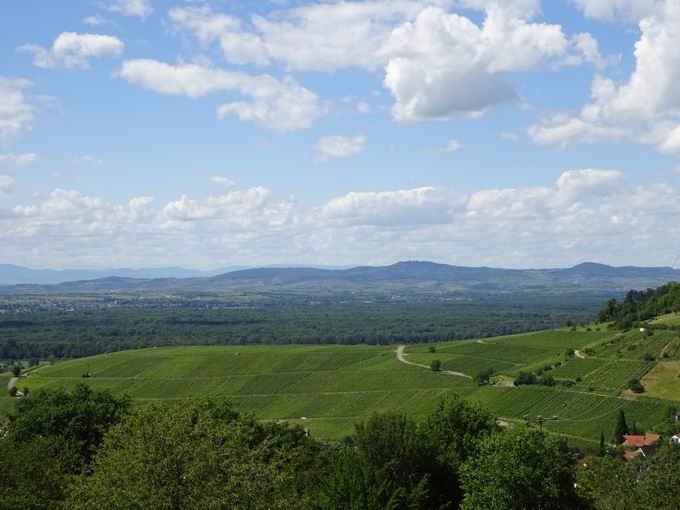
[636, 386]
[436, 365]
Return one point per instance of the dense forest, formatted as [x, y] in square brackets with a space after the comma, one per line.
[87, 449]
[641, 305]
[35, 332]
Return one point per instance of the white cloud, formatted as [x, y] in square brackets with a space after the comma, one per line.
[585, 213]
[610, 10]
[279, 104]
[238, 46]
[586, 49]
[671, 144]
[224, 182]
[74, 50]
[94, 21]
[562, 130]
[363, 107]
[443, 65]
[86, 160]
[417, 206]
[137, 8]
[18, 160]
[16, 112]
[645, 108]
[451, 146]
[6, 182]
[338, 146]
[438, 65]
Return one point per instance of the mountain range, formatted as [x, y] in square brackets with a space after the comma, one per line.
[409, 277]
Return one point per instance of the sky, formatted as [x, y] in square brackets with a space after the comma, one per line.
[205, 134]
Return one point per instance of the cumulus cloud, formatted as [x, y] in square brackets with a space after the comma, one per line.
[645, 107]
[86, 160]
[279, 104]
[426, 205]
[610, 10]
[18, 160]
[338, 146]
[222, 181]
[6, 182]
[94, 20]
[583, 213]
[137, 8]
[16, 111]
[437, 64]
[74, 50]
[451, 146]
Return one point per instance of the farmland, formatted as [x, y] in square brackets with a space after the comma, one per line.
[329, 388]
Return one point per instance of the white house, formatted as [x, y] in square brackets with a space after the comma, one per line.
[675, 439]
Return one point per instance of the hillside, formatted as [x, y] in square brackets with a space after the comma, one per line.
[329, 388]
[639, 306]
[404, 277]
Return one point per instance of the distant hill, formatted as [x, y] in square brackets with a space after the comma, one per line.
[402, 277]
[16, 275]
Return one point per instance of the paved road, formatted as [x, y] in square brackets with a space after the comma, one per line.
[402, 357]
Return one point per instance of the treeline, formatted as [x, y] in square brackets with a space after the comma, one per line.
[641, 305]
[90, 450]
[39, 333]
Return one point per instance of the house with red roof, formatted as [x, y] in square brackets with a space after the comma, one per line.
[642, 440]
[641, 445]
[675, 439]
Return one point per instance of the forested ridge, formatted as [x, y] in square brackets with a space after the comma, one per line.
[641, 305]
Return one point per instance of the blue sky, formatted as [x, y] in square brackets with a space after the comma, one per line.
[205, 134]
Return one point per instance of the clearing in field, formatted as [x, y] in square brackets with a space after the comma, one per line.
[663, 381]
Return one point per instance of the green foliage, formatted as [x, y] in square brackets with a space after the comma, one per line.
[636, 386]
[520, 469]
[651, 483]
[273, 319]
[190, 456]
[608, 484]
[52, 435]
[483, 378]
[621, 427]
[401, 463]
[525, 378]
[436, 365]
[16, 370]
[640, 306]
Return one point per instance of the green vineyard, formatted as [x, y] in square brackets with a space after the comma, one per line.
[330, 388]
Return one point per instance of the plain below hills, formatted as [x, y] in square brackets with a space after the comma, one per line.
[413, 277]
[329, 388]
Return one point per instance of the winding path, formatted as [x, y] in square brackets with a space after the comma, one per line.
[402, 357]
[12, 384]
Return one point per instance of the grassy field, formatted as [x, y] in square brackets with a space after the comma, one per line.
[329, 388]
[670, 319]
[663, 381]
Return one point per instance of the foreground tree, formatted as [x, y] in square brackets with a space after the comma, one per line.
[520, 469]
[621, 428]
[192, 456]
[53, 435]
[608, 483]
